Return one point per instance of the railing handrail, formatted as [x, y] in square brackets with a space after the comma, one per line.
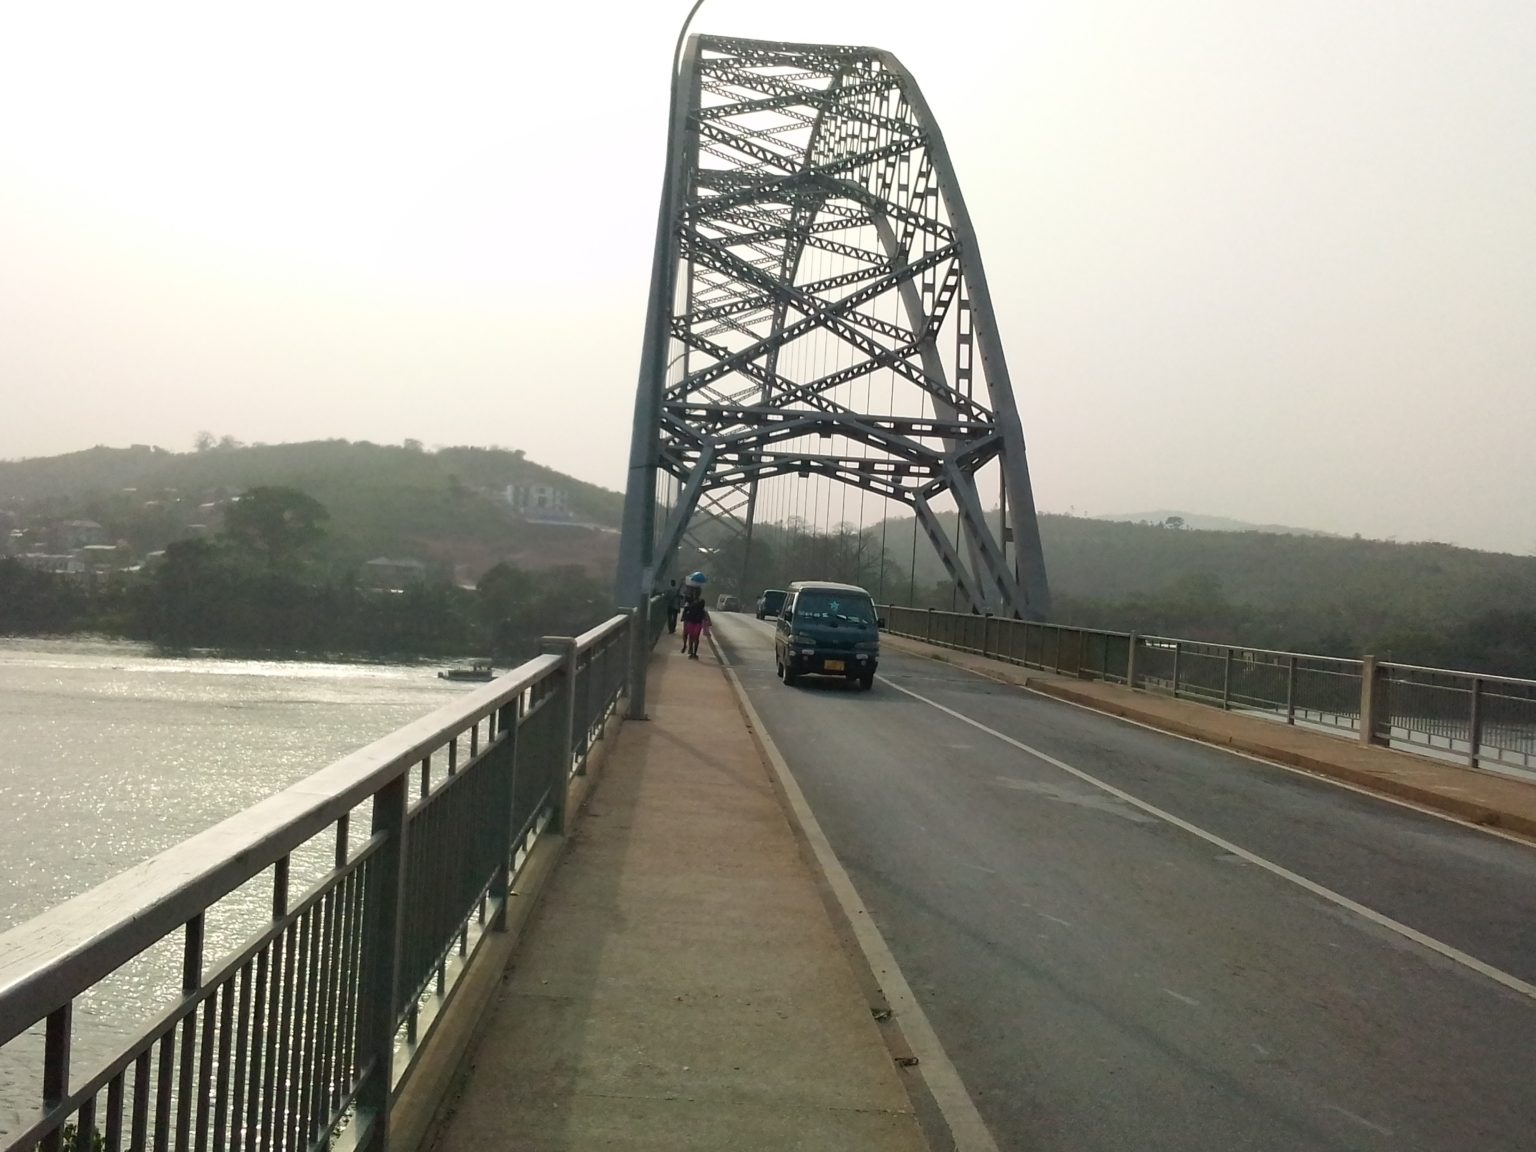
[1185, 641]
[1461, 674]
[74, 944]
[1151, 638]
[593, 636]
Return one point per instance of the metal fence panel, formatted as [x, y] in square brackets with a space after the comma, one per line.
[311, 1024]
[1485, 721]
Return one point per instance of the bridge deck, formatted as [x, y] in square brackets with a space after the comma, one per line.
[682, 985]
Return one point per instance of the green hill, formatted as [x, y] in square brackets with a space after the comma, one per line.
[445, 507]
[1427, 603]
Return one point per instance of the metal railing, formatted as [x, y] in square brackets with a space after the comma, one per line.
[1484, 721]
[368, 889]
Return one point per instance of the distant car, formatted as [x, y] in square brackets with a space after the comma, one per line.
[827, 629]
[727, 603]
[770, 603]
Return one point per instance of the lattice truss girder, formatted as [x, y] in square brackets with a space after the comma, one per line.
[826, 304]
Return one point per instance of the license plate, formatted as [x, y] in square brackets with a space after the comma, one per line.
[832, 665]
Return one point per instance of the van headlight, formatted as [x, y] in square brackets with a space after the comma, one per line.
[867, 646]
[801, 641]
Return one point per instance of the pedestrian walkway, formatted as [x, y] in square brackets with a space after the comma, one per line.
[681, 985]
[1468, 793]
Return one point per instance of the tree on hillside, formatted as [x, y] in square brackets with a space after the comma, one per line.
[276, 523]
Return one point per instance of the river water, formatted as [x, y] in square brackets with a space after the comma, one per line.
[110, 754]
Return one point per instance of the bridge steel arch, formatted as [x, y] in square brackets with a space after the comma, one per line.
[812, 241]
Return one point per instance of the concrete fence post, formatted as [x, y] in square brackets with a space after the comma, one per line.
[639, 657]
[565, 740]
[1475, 722]
[379, 982]
[1373, 699]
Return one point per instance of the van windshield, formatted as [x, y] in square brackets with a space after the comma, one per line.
[834, 606]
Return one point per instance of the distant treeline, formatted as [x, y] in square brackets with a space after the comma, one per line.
[1427, 604]
[1422, 603]
[263, 585]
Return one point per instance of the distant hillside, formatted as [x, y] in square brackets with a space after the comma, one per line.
[1415, 602]
[1205, 523]
[444, 507]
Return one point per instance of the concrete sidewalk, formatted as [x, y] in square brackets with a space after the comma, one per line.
[1468, 793]
[681, 985]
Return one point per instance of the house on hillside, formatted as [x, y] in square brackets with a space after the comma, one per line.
[72, 534]
[393, 575]
[102, 557]
[63, 565]
[539, 501]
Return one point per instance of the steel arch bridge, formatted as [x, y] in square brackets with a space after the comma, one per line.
[818, 308]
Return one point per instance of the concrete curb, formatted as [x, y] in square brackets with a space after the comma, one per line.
[428, 1099]
[1459, 807]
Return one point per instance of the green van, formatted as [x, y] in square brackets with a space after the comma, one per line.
[827, 630]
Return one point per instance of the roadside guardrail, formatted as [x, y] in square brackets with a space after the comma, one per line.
[1481, 720]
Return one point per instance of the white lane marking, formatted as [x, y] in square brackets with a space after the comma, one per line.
[1177, 996]
[1498, 976]
[1318, 777]
[1460, 821]
[968, 1130]
[1056, 920]
[1358, 1119]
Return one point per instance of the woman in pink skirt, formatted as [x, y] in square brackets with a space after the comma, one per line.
[695, 620]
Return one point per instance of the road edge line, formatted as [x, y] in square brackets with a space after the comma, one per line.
[967, 1130]
[1036, 685]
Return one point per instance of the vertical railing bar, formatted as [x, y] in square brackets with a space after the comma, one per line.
[343, 831]
[294, 1082]
[303, 1109]
[112, 1139]
[85, 1127]
[226, 1049]
[1475, 723]
[205, 1051]
[138, 1136]
[293, 963]
[57, 1035]
[504, 802]
[1226, 678]
[242, 1043]
[272, 1021]
[453, 754]
[1290, 690]
[261, 1033]
[191, 981]
[379, 991]
[426, 776]
[352, 965]
[324, 1012]
[163, 1085]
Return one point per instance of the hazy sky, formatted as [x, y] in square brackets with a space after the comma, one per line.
[1270, 261]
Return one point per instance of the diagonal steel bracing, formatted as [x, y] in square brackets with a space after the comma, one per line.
[818, 308]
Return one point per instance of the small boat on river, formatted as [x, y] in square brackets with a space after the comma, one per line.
[477, 670]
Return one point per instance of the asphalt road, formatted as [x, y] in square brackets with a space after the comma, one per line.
[1105, 977]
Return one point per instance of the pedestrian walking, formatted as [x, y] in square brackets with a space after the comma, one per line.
[674, 606]
[695, 621]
